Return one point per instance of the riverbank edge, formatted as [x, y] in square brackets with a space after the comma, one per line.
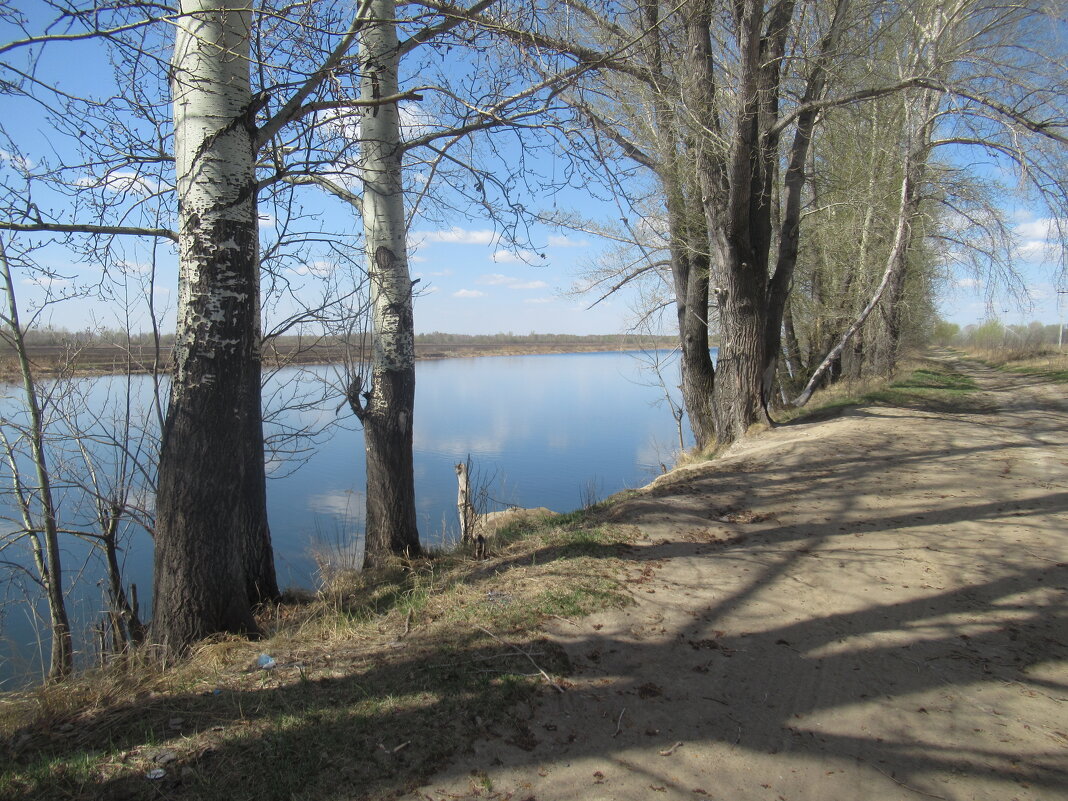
[122, 364]
[374, 632]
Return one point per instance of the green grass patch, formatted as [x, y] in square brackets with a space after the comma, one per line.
[1056, 376]
[939, 379]
[934, 387]
[927, 386]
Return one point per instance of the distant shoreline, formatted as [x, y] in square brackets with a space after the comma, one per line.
[101, 360]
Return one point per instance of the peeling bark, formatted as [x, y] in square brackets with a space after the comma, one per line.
[388, 410]
[213, 553]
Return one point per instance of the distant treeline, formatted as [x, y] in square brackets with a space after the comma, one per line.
[56, 337]
[994, 335]
[494, 340]
[55, 350]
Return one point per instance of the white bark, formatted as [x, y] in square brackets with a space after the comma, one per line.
[214, 162]
[388, 414]
[895, 263]
[383, 200]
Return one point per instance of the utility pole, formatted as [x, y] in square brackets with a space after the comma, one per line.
[1060, 318]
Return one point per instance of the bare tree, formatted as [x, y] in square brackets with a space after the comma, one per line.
[36, 503]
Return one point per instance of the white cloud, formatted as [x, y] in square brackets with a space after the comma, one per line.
[267, 221]
[47, 281]
[558, 241]
[19, 162]
[513, 257]
[460, 236]
[539, 300]
[1036, 229]
[320, 269]
[121, 183]
[1040, 241]
[415, 121]
[341, 503]
[497, 279]
[973, 283]
[468, 293]
[135, 267]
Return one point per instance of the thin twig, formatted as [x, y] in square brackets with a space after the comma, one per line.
[619, 723]
[671, 750]
[545, 675]
[571, 622]
[907, 786]
[407, 623]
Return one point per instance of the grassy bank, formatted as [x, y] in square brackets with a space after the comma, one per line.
[376, 682]
[922, 383]
[1047, 363]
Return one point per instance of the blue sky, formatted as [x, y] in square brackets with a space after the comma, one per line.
[470, 281]
[971, 299]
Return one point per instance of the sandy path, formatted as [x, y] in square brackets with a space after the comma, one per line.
[869, 607]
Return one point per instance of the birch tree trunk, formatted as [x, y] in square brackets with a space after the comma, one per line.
[388, 405]
[793, 185]
[895, 266]
[213, 555]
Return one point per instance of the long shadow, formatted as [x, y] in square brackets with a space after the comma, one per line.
[296, 738]
[698, 518]
[724, 692]
[303, 741]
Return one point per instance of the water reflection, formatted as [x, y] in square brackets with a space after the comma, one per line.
[541, 430]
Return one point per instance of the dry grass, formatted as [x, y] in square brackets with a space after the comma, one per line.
[377, 681]
[1048, 363]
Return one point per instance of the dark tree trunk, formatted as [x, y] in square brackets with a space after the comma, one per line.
[793, 347]
[387, 430]
[736, 196]
[688, 246]
[206, 515]
[698, 374]
[740, 364]
[793, 184]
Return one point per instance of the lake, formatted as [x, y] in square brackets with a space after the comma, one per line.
[547, 430]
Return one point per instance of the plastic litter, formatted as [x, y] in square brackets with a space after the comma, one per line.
[156, 774]
[266, 662]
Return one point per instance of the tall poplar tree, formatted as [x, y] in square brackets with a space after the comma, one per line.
[213, 555]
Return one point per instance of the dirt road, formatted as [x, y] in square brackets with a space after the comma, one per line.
[867, 607]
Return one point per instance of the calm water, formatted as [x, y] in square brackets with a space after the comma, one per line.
[541, 431]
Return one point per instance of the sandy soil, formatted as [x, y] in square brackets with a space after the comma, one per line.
[867, 607]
